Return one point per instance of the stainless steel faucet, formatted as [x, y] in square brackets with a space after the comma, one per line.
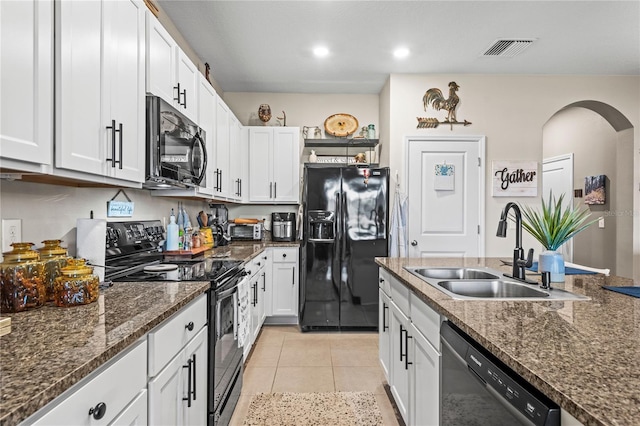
[519, 263]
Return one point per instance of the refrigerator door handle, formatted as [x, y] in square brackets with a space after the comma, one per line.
[343, 224]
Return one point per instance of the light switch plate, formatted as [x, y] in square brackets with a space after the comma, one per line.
[11, 233]
[601, 222]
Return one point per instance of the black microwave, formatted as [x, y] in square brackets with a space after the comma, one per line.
[176, 148]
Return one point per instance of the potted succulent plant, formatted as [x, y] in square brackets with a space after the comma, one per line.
[553, 226]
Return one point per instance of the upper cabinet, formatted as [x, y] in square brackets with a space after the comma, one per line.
[222, 182]
[100, 90]
[274, 164]
[170, 73]
[236, 159]
[26, 87]
[207, 99]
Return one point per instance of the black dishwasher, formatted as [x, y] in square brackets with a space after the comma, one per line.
[478, 389]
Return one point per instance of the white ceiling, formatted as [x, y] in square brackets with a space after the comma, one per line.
[266, 46]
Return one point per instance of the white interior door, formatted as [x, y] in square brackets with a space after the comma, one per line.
[557, 176]
[445, 214]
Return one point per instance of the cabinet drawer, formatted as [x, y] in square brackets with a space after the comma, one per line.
[426, 320]
[115, 384]
[289, 254]
[166, 340]
[400, 295]
[385, 281]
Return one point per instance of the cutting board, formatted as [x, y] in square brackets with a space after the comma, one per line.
[193, 252]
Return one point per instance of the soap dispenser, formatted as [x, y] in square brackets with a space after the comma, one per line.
[172, 233]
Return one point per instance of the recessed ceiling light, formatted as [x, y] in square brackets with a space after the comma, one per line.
[401, 52]
[321, 51]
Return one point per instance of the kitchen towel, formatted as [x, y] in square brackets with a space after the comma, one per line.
[628, 290]
[398, 229]
[567, 270]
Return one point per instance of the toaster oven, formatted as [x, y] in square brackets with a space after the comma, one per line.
[238, 231]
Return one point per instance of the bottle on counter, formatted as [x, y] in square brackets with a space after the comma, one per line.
[54, 257]
[172, 233]
[77, 285]
[22, 279]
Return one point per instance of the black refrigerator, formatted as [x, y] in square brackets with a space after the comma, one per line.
[345, 226]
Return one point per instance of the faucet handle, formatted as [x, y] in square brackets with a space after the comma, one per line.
[529, 261]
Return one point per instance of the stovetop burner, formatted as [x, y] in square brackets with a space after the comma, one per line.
[208, 269]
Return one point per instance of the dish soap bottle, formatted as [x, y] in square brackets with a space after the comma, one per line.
[172, 233]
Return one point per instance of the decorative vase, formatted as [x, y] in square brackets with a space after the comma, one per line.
[264, 112]
[313, 158]
[553, 262]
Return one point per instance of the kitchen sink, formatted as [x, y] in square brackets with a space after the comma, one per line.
[455, 273]
[486, 284]
[491, 289]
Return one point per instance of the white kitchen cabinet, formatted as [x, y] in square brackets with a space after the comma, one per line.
[111, 391]
[384, 333]
[424, 380]
[178, 394]
[409, 351]
[274, 164]
[267, 282]
[136, 413]
[100, 89]
[26, 87]
[399, 379]
[285, 282]
[236, 161]
[207, 99]
[170, 74]
[221, 153]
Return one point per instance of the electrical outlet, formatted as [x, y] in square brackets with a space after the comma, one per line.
[601, 222]
[11, 233]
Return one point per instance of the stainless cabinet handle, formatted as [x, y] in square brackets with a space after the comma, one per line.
[178, 89]
[194, 377]
[113, 143]
[293, 276]
[188, 398]
[406, 348]
[120, 161]
[275, 189]
[184, 96]
[414, 243]
[270, 189]
[401, 331]
[264, 281]
[384, 317]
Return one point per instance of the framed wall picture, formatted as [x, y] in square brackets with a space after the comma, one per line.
[515, 178]
[595, 190]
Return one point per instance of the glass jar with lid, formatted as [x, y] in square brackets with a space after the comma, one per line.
[77, 285]
[21, 279]
[54, 258]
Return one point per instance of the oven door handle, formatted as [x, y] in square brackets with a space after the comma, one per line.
[226, 293]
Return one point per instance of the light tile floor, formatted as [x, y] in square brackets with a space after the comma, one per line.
[287, 360]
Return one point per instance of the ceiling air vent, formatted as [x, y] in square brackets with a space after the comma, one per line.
[507, 47]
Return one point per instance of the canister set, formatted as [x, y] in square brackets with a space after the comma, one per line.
[31, 278]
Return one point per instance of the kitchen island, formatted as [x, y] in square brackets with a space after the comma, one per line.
[581, 354]
[50, 349]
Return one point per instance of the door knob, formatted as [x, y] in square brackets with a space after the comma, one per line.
[414, 243]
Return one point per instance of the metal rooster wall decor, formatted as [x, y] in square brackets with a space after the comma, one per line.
[436, 99]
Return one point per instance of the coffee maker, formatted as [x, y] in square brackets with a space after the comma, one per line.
[283, 226]
[220, 224]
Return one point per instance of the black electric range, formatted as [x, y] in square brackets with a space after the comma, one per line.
[134, 253]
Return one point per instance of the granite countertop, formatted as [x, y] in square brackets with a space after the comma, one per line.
[581, 354]
[50, 349]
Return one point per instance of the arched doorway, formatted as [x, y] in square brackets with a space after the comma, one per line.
[601, 140]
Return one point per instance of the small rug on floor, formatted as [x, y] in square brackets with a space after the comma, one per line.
[316, 408]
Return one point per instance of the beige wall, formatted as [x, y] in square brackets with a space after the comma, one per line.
[510, 110]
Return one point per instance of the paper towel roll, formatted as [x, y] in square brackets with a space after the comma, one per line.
[91, 239]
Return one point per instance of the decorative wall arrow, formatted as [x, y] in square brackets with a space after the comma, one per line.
[432, 123]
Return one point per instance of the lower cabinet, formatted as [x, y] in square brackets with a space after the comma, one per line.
[136, 413]
[178, 394]
[178, 387]
[285, 282]
[409, 352]
[424, 380]
[116, 389]
[384, 333]
[399, 380]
